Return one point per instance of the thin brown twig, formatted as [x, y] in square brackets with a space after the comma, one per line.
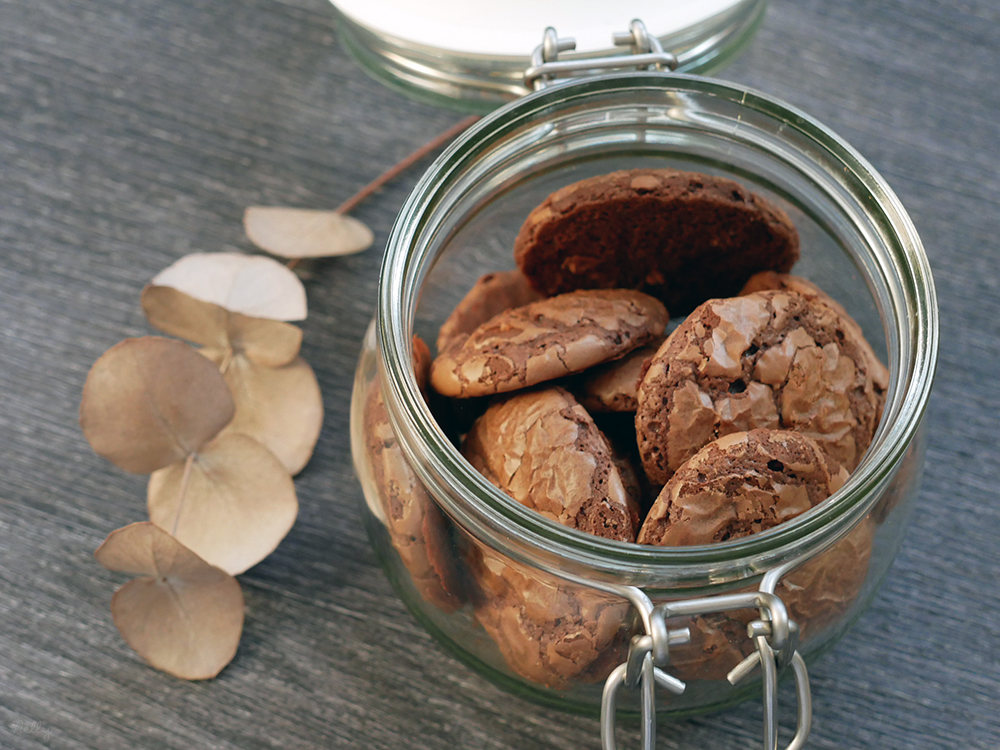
[405, 164]
[397, 169]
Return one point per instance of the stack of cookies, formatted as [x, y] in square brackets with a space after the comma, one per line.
[558, 384]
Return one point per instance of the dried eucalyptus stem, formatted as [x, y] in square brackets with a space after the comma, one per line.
[299, 233]
[405, 164]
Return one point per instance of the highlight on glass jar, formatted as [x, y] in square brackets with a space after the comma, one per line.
[669, 434]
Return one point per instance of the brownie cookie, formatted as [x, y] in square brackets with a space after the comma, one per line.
[769, 280]
[681, 236]
[739, 485]
[543, 449]
[773, 359]
[614, 386]
[547, 630]
[619, 429]
[634, 490]
[417, 528]
[547, 339]
[824, 588]
[489, 296]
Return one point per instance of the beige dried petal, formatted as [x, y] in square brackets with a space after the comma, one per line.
[146, 549]
[185, 617]
[232, 504]
[302, 233]
[265, 341]
[248, 284]
[280, 407]
[150, 402]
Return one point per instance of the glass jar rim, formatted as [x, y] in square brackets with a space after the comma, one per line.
[524, 534]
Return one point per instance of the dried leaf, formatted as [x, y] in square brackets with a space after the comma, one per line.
[150, 402]
[231, 504]
[248, 284]
[264, 341]
[184, 617]
[301, 233]
[282, 407]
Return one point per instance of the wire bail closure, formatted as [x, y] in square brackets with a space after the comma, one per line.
[775, 638]
[646, 54]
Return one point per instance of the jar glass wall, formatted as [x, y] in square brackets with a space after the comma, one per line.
[500, 585]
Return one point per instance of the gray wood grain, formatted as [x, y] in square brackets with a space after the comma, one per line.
[133, 132]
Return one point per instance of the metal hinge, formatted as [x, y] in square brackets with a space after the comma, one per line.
[647, 54]
[774, 635]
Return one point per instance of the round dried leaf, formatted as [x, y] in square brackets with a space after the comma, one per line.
[265, 341]
[179, 314]
[301, 233]
[185, 618]
[248, 284]
[150, 402]
[280, 407]
[146, 549]
[235, 505]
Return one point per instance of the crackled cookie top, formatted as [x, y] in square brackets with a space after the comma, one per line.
[543, 449]
[741, 484]
[774, 359]
[681, 236]
[491, 295]
[771, 280]
[545, 340]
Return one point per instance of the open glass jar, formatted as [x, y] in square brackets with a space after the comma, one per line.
[549, 611]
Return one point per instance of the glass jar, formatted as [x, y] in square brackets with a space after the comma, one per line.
[531, 604]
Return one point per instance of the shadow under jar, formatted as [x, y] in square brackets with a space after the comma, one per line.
[516, 595]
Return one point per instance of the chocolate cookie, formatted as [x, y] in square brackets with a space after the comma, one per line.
[614, 386]
[824, 588]
[547, 630]
[619, 429]
[543, 449]
[681, 236]
[741, 484]
[772, 359]
[489, 296]
[545, 340]
[417, 528]
[770, 280]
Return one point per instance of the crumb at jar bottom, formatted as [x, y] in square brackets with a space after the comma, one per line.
[546, 610]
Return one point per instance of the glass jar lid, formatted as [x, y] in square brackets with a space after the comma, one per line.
[473, 56]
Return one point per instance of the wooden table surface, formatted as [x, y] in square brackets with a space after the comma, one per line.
[133, 132]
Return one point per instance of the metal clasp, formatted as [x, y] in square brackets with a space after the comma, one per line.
[646, 54]
[775, 638]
